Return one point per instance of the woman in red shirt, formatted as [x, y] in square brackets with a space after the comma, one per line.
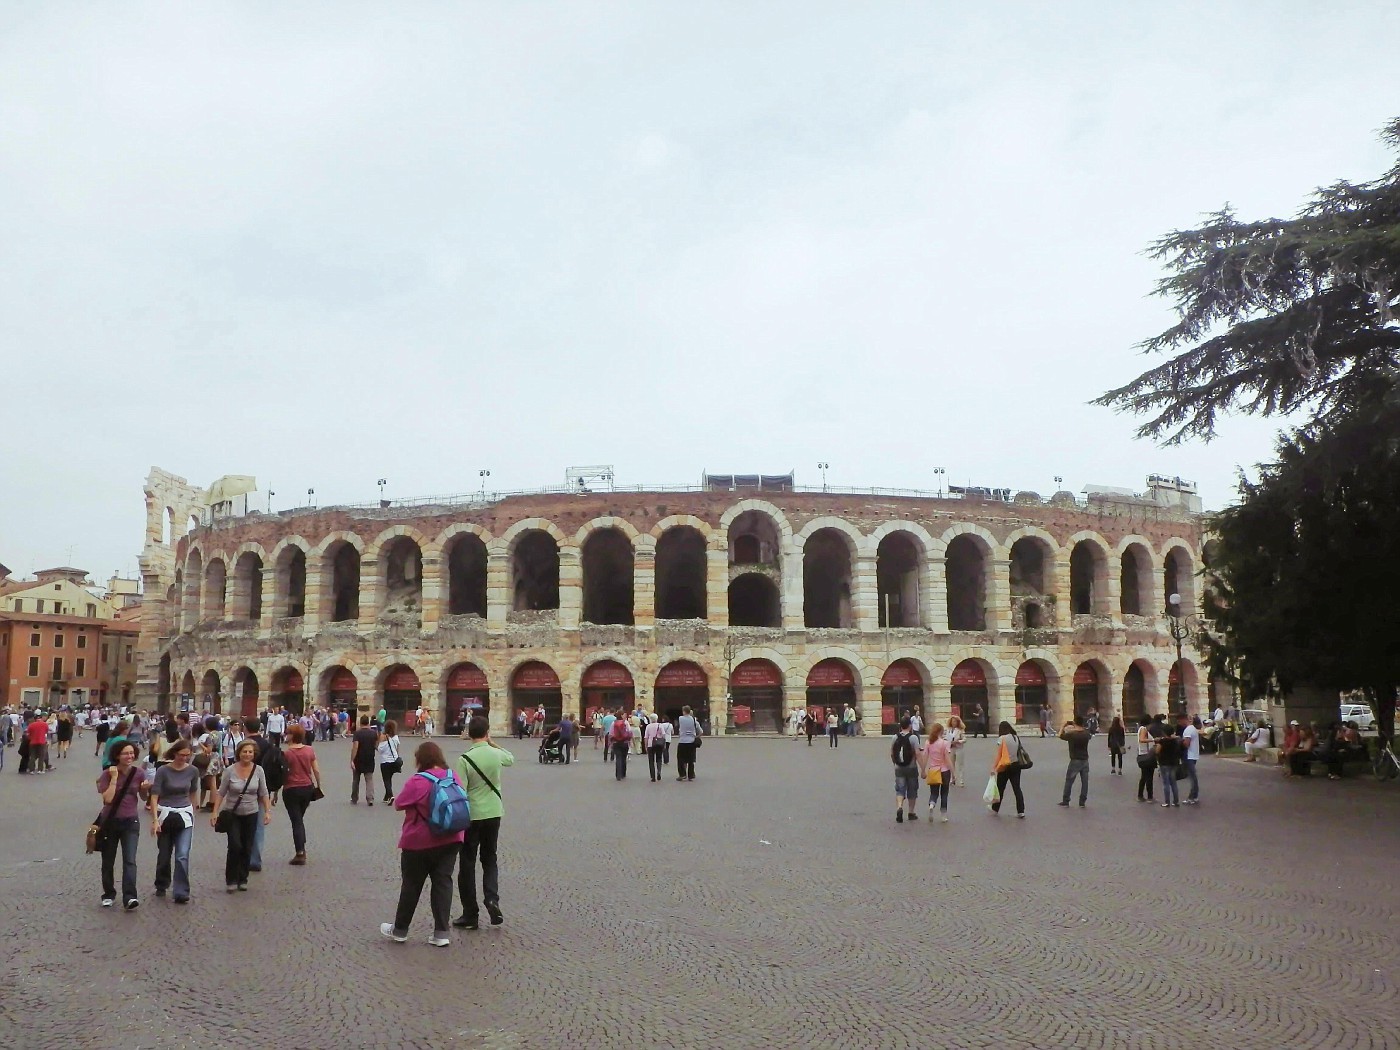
[302, 787]
[425, 854]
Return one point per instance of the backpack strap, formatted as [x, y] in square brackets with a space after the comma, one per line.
[493, 787]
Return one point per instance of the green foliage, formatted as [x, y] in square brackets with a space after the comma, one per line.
[1277, 316]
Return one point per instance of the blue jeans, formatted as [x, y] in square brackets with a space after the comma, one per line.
[126, 835]
[1078, 767]
[255, 855]
[940, 792]
[1195, 791]
[178, 847]
[1169, 793]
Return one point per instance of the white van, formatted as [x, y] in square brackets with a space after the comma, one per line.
[1360, 714]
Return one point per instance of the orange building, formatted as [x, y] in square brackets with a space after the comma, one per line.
[52, 660]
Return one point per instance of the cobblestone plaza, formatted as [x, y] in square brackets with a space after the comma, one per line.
[772, 903]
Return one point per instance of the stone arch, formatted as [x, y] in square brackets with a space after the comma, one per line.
[606, 521]
[513, 534]
[375, 549]
[1150, 700]
[575, 675]
[681, 571]
[829, 554]
[778, 518]
[855, 540]
[902, 574]
[464, 558]
[968, 554]
[1089, 586]
[608, 559]
[671, 521]
[1031, 554]
[194, 588]
[341, 576]
[438, 544]
[214, 603]
[994, 708]
[1029, 698]
[289, 564]
[1178, 552]
[1102, 696]
[398, 577]
[249, 563]
[341, 535]
[1137, 579]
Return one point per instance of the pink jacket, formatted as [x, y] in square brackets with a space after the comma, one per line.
[414, 798]
[938, 755]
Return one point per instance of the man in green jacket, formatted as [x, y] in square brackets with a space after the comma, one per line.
[479, 770]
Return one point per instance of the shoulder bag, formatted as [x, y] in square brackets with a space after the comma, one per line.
[97, 830]
[224, 820]
[493, 787]
[395, 763]
[1022, 758]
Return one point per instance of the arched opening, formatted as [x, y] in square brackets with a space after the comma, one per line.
[1027, 568]
[247, 587]
[211, 691]
[400, 692]
[289, 690]
[966, 567]
[605, 686]
[163, 687]
[189, 694]
[342, 598]
[341, 689]
[681, 571]
[754, 601]
[1087, 583]
[831, 686]
[245, 692]
[607, 577]
[215, 590]
[535, 572]
[1090, 683]
[192, 523]
[756, 697]
[1181, 687]
[681, 684]
[194, 581]
[291, 582]
[1177, 579]
[1134, 695]
[401, 579]
[466, 576]
[535, 683]
[1032, 693]
[901, 690]
[167, 526]
[969, 696]
[468, 694]
[754, 540]
[1134, 581]
[826, 580]
[898, 561]
[175, 602]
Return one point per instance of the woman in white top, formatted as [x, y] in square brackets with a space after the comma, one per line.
[388, 755]
[956, 735]
[1146, 759]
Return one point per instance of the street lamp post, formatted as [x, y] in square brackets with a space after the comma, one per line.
[1058, 482]
[823, 467]
[1182, 628]
[938, 472]
[483, 475]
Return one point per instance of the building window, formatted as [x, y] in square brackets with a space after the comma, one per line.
[57, 640]
[58, 586]
[104, 652]
[33, 667]
[82, 641]
[92, 611]
[38, 605]
[128, 654]
[34, 640]
[58, 608]
[19, 605]
[81, 668]
[57, 668]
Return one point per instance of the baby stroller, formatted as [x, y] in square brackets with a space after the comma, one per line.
[551, 750]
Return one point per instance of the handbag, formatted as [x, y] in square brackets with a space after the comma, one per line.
[1147, 761]
[223, 822]
[1022, 758]
[396, 764]
[97, 830]
[1181, 773]
[934, 777]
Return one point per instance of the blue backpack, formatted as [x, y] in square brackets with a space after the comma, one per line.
[448, 809]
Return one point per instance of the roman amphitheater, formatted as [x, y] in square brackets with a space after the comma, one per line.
[743, 597]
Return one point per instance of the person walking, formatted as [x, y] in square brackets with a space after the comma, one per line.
[390, 762]
[904, 753]
[567, 733]
[119, 785]
[597, 723]
[619, 740]
[979, 721]
[364, 746]
[1044, 721]
[242, 793]
[957, 737]
[425, 854]
[833, 729]
[609, 718]
[276, 726]
[1077, 737]
[814, 726]
[63, 733]
[1007, 769]
[655, 742]
[938, 760]
[1190, 754]
[479, 770]
[1146, 759]
[302, 788]
[1168, 758]
[1117, 741]
[37, 733]
[687, 743]
[173, 798]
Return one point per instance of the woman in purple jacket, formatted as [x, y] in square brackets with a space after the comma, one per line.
[425, 855]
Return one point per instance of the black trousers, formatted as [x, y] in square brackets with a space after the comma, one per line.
[386, 773]
[297, 801]
[1010, 775]
[481, 840]
[656, 759]
[685, 760]
[1146, 775]
[240, 848]
[418, 866]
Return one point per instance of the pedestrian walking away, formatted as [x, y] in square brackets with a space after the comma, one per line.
[479, 769]
[242, 793]
[655, 741]
[364, 747]
[173, 799]
[833, 729]
[427, 850]
[1006, 767]
[568, 738]
[905, 754]
[120, 786]
[1117, 741]
[619, 740]
[1146, 759]
[303, 787]
[687, 744]
[386, 752]
[938, 770]
[1077, 737]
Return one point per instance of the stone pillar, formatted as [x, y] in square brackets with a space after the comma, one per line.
[938, 701]
[794, 698]
[432, 592]
[791, 590]
[936, 595]
[1064, 614]
[999, 594]
[717, 587]
[311, 622]
[146, 693]
[238, 593]
[1112, 605]
[371, 591]
[865, 597]
[269, 599]
[570, 588]
[871, 711]
[499, 595]
[644, 582]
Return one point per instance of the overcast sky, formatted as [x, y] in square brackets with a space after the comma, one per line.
[324, 244]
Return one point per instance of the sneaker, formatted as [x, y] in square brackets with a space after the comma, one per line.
[180, 900]
[1020, 816]
[943, 820]
[243, 887]
[160, 891]
[1082, 805]
[257, 867]
[1193, 801]
[132, 904]
[439, 940]
[913, 815]
[494, 910]
[899, 816]
[231, 887]
[463, 922]
[107, 902]
[1065, 803]
[1166, 805]
[387, 929]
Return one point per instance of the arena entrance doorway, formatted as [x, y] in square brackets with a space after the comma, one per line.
[683, 684]
[1032, 693]
[606, 686]
[342, 688]
[756, 697]
[532, 684]
[831, 685]
[402, 692]
[468, 694]
[289, 690]
[901, 689]
[969, 694]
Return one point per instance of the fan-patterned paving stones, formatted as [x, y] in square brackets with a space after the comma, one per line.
[772, 903]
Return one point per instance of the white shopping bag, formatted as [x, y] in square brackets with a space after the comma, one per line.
[991, 795]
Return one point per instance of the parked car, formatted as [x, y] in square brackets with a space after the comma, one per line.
[1253, 716]
[1360, 714]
